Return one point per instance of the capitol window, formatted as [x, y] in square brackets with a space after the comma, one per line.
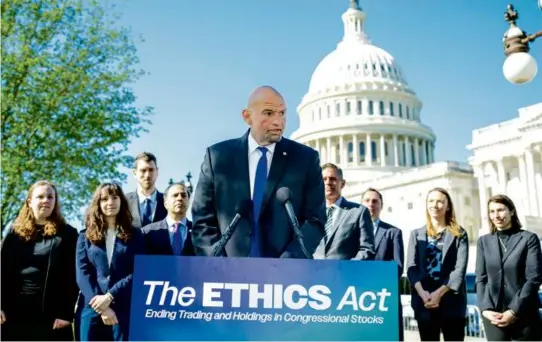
[381, 107]
[407, 112]
[347, 108]
[328, 111]
[391, 109]
[359, 108]
[362, 151]
[371, 108]
[350, 149]
[400, 110]
[410, 205]
[337, 109]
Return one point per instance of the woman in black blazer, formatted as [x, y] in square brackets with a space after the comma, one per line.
[508, 276]
[38, 271]
[436, 265]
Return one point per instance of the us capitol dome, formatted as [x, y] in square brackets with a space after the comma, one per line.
[360, 112]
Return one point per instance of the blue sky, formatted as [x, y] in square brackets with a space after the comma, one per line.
[205, 57]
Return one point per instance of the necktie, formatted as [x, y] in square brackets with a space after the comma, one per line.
[329, 220]
[146, 219]
[177, 241]
[257, 198]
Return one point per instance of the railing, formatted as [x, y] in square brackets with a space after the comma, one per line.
[473, 322]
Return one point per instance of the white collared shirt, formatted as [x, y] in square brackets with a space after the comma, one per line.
[110, 237]
[142, 199]
[254, 157]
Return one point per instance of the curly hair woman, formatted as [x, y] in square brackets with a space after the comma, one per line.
[38, 270]
[105, 264]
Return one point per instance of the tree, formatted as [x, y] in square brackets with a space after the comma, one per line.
[68, 113]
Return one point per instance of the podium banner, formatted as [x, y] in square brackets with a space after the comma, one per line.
[240, 299]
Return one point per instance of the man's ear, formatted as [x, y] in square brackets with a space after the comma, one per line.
[246, 114]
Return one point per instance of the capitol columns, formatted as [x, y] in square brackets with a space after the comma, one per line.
[368, 150]
[501, 176]
[355, 149]
[395, 151]
[417, 151]
[382, 150]
[523, 182]
[482, 191]
[408, 150]
[533, 194]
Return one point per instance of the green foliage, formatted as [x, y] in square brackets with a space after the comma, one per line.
[68, 112]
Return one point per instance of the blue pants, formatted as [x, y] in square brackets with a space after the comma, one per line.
[94, 329]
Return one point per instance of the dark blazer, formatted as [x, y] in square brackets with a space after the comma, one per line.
[157, 241]
[520, 271]
[60, 292]
[96, 277]
[389, 244]
[224, 181]
[160, 212]
[351, 236]
[455, 255]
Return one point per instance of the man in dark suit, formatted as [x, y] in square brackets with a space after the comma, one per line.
[171, 236]
[253, 167]
[388, 239]
[146, 203]
[348, 229]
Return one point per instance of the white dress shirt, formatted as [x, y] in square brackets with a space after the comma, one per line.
[254, 157]
[152, 198]
[110, 237]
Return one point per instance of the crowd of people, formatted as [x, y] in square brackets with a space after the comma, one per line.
[60, 284]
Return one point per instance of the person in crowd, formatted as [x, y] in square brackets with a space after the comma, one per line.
[348, 229]
[39, 291]
[105, 265]
[146, 203]
[172, 235]
[388, 240]
[436, 266]
[255, 166]
[508, 276]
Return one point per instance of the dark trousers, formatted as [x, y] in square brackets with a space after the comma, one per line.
[430, 327]
[33, 329]
[517, 331]
[94, 329]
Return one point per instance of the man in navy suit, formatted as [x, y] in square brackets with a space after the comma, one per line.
[388, 239]
[146, 203]
[171, 236]
[253, 167]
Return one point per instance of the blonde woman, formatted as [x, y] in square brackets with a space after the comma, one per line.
[436, 265]
[38, 271]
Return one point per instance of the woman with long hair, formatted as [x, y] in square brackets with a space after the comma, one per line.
[436, 266]
[105, 265]
[38, 270]
[508, 276]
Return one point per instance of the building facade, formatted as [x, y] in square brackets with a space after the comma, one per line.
[507, 159]
[360, 113]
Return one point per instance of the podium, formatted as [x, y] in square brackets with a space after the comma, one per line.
[260, 299]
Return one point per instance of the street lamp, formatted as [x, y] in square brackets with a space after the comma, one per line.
[186, 183]
[519, 66]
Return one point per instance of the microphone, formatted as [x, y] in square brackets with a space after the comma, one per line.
[284, 196]
[242, 210]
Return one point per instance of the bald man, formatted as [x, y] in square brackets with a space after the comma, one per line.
[252, 168]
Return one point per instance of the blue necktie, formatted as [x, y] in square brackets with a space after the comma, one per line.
[147, 213]
[177, 241]
[257, 198]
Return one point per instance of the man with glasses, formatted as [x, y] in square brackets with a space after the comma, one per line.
[171, 236]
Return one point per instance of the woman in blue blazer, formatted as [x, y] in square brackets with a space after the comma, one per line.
[105, 264]
[508, 276]
[436, 266]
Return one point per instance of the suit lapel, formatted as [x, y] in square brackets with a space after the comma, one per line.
[134, 207]
[101, 255]
[278, 163]
[242, 169]
[448, 240]
[164, 235]
[493, 242]
[158, 212]
[512, 243]
[380, 232]
[422, 247]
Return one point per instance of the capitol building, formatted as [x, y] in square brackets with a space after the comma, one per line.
[360, 113]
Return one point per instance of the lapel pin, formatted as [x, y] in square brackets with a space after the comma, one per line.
[284, 153]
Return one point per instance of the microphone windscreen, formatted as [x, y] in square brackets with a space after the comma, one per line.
[284, 194]
[244, 207]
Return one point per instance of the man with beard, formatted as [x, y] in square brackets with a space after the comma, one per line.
[147, 203]
[253, 167]
[348, 229]
[171, 236]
